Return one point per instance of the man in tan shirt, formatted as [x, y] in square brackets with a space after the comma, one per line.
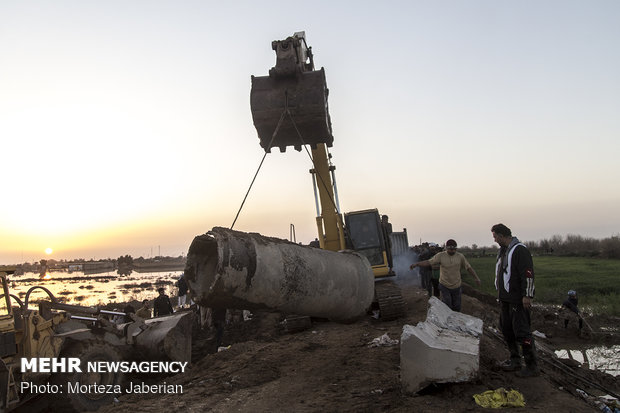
[450, 265]
[144, 311]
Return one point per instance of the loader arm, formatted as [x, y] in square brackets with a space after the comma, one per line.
[289, 108]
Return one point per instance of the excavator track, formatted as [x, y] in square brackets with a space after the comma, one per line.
[390, 300]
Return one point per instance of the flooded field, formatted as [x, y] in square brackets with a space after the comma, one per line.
[94, 289]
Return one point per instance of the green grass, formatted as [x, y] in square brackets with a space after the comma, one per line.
[597, 281]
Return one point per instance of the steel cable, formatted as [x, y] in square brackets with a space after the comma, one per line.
[275, 132]
[311, 158]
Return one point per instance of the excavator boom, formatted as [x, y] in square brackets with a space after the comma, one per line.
[289, 108]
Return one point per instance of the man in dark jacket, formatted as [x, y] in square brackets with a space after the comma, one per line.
[426, 272]
[162, 305]
[514, 281]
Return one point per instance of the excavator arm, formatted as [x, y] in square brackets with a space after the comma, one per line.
[289, 108]
[329, 221]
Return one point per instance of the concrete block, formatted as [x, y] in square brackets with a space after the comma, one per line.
[442, 316]
[443, 349]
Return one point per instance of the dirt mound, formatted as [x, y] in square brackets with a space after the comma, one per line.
[331, 367]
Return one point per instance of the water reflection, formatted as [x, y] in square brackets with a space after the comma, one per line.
[78, 287]
[601, 358]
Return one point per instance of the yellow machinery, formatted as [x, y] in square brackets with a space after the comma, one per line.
[289, 108]
[58, 330]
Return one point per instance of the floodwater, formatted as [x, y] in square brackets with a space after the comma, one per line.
[602, 358]
[94, 289]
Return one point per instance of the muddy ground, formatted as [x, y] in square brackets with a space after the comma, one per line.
[331, 368]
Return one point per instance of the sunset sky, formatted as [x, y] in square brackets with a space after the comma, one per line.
[125, 126]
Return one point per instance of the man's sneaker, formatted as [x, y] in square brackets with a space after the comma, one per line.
[529, 372]
[510, 365]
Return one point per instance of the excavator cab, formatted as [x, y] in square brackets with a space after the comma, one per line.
[289, 107]
[367, 235]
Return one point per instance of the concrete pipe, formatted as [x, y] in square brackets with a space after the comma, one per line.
[232, 269]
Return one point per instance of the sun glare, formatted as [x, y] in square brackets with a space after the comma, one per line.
[48, 250]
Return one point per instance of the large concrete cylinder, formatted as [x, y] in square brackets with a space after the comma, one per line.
[233, 269]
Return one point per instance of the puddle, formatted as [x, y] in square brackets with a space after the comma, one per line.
[87, 289]
[606, 359]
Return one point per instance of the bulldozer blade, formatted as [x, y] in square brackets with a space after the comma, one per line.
[233, 269]
[168, 337]
[304, 95]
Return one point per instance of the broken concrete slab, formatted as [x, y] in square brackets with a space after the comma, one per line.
[442, 316]
[443, 349]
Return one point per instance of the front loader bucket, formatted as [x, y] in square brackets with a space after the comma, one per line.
[307, 120]
[167, 338]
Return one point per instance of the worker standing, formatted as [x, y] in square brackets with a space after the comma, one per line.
[162, 305]
[219, 321]
[450, 264]
[426, 272]
[183, 289]
[514, 281]
[144, 312]
[435, 270]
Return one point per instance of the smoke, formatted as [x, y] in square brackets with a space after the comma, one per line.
[404, 275]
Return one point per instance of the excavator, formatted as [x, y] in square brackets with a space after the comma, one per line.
[289, 108]
[60, 332]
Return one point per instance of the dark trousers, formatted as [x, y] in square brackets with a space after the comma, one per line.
[514, 321]
[451, 297]
[425, 277]
[435, 283]
[219, 321]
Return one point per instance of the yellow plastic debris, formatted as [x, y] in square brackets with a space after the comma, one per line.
[496, 399]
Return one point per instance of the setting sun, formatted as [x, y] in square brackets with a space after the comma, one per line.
[48, 250]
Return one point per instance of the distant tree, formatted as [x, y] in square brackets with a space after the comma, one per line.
[126, 260]
[610, 247]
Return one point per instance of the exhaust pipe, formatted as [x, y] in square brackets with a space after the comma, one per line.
[233, 269]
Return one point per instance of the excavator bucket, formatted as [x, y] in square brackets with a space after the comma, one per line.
[289, 107]
[291, 111]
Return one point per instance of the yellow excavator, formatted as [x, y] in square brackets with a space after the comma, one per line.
[289, 108]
